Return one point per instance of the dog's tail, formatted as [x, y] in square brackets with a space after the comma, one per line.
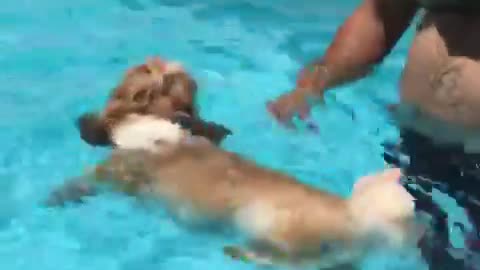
[146, 132]
[381, 206]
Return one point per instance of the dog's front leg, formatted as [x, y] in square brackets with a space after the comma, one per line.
[72, 191]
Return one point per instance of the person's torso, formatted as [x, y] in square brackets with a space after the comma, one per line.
[442, 76]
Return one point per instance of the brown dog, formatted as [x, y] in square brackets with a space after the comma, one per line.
[158, 88]
[284, 220]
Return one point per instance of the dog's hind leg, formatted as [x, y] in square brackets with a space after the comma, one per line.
[247, 255]
[346, 266]
[258, 252]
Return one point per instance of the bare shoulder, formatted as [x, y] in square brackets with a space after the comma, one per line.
[394, 15]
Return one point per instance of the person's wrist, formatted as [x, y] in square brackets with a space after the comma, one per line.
[306, 96]
[312, 91]
[305, 92]
[313, 79]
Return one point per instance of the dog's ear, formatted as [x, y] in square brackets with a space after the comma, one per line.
[93, 130]
[214, 132]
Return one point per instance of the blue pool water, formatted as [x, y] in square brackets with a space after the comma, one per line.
[61, 58]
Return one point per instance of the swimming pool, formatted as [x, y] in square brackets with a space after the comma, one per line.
[61, 58]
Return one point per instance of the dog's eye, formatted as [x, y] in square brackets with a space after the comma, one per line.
[145, 69]
[188, 109]
[141, 96]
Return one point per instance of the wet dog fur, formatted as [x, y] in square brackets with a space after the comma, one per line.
[156, 87]
[284, 220]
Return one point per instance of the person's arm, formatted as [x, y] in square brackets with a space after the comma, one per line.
[363, 41]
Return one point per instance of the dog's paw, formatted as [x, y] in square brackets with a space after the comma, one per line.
[246, 256]
[73, 192]
[236, 253]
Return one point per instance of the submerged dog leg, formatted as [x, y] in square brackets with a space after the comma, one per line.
[346, 266]
[265, 254]
[74, 191]
[124, 171]
[247, 255]
[258, 252]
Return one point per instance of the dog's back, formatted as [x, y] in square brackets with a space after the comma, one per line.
[203, 180]
[207, 181]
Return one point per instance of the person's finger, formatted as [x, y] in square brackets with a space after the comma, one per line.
[304, 112]
[272, 109]
[279, 114]
[276, 110]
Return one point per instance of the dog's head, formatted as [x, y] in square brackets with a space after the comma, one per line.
[159, 88]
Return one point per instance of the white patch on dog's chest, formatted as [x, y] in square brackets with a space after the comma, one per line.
[147, 133]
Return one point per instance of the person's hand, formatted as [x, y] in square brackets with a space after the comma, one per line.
[289, 105]
[299, 101]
